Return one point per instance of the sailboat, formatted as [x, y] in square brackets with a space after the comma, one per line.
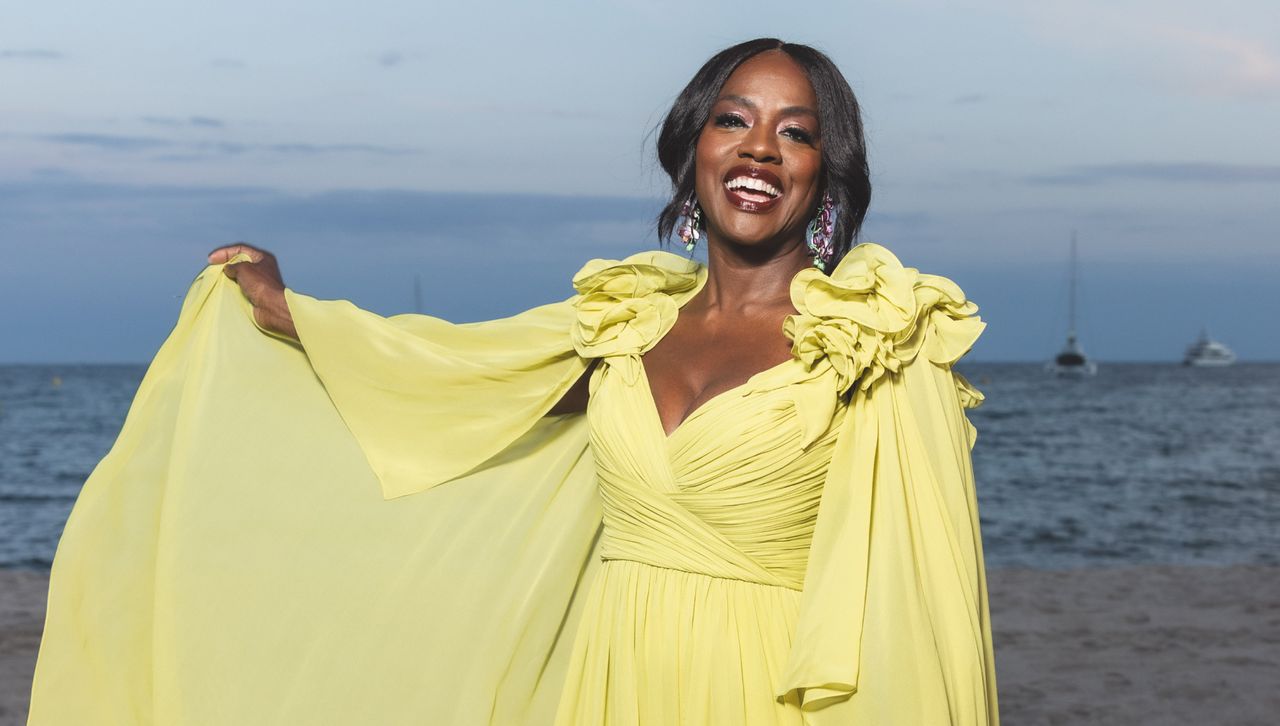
[1071, 362]
[1207, 352]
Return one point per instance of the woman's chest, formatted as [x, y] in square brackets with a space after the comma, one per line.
[699, 360]
[774, 427]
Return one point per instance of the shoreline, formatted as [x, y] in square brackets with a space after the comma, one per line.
[1131, 644]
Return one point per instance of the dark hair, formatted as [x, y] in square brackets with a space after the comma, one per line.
[844, 151]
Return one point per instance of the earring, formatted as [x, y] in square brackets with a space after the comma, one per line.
[690, 227]
[820, 233]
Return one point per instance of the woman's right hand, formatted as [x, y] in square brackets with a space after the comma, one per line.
[261, 283]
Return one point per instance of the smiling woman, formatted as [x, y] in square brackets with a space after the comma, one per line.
[812, 106]
[764, 124]
[732, 493]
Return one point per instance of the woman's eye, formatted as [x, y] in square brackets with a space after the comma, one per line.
[799, 134]
[730, 120]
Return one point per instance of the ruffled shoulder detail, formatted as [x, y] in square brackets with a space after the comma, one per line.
[871, 315]
[624, 307]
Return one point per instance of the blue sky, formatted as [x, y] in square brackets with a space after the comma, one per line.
[492, 148]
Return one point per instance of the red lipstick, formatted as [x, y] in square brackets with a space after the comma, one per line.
[752, 188]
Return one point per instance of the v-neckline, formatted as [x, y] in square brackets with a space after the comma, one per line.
[648, 386]
[700, 408]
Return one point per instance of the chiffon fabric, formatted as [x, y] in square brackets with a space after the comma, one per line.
[382, 525]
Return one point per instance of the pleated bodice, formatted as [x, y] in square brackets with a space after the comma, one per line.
[733, 492]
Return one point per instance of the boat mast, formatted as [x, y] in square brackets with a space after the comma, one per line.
[1071, 325]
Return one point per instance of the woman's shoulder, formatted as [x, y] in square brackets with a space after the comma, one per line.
[640, 274]
[871, 274]
[624, 306]
[872, 314]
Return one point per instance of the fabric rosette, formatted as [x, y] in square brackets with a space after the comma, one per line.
[625, 307]
[871, 316]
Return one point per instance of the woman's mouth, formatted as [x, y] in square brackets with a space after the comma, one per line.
[752, 189]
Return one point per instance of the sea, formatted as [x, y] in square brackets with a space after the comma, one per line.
[1142, 464]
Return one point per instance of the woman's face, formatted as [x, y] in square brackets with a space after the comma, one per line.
[759, 158]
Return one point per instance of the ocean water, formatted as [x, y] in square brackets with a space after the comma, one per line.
[1146, 463]
[1142, 464]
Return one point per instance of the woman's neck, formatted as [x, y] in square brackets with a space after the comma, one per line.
[742, 279]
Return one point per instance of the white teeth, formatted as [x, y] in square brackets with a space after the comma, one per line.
[747, 182]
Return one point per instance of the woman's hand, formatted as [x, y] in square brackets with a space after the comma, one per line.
[260, 281]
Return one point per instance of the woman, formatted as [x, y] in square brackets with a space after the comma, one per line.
[766, 515]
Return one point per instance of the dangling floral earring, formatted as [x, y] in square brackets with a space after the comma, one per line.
[820, 233]
[690, 227]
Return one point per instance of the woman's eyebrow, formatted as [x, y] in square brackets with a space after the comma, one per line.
[751, 105]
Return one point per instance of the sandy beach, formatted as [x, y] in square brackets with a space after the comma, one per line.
[22, 598]
[1137, 645]
[1127, 646]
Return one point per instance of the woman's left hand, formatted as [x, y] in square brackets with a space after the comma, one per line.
[261, 282]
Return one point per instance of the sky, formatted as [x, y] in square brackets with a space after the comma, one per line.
[490, 149]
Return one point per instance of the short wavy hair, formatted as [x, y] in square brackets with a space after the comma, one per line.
[846, 176]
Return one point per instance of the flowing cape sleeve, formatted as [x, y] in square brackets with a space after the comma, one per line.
[428, 400]
[894, 625]
[232, 560]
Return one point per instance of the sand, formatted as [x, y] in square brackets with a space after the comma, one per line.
[1138, 645]
[22, 598]
[1126, 646]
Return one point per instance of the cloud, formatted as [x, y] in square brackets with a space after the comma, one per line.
[481, 255]
[1174, 172]
[391, 58]
[229, 63]
[339, 149]
[1173, 43]
[39, 54]
[487, 255]
[1226, 64]
[190, 121]
[902, 218]
[388, 214]
[459, 106]
[969, 98]
[55, 173]
[109, 142]
[199, 150]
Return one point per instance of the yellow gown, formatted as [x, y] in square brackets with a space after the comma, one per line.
[382, 526]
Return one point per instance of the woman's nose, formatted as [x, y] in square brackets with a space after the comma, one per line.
[761, 145]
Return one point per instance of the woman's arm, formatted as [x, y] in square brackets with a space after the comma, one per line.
[575, 399]
[261, 283]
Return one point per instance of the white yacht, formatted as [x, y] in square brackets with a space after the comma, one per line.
[1071, 362]
[1207, 352]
